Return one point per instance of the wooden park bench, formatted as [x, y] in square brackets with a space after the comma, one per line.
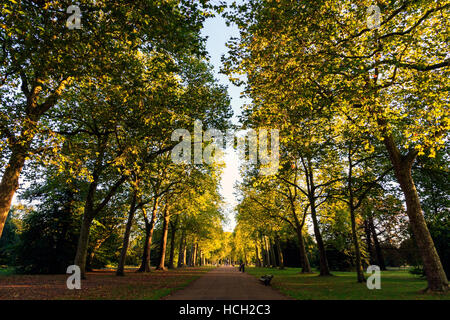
[266, 279]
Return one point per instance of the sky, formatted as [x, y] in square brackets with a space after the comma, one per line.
[218, 34]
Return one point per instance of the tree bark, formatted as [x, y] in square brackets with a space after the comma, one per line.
[280, 254]
[10, 181]
[264, 253]
[351, 205]
[324, 269]
[83, 241]
[165, 230]
[89, 258]
[378, 251]
[258, 262]
[306, 267]
[272, 254]
[191, 256]
[126, 236]
[182, 250]
[372, 258]
[358, 266]
[436, 277]
[202, 258]
[323, 261]
[172, 242]
[88, 217]
[149, 227]
[194, 255]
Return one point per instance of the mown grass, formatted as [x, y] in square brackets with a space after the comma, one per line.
[395, 285]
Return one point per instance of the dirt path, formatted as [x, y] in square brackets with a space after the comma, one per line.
[226, 283]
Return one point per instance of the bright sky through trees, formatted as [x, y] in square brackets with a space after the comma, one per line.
[218, 34]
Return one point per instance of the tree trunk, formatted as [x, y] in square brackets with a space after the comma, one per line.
[191, 255]
[126, 236]
[182, 250]
[306, 267]
[145, 261]
[194, 255]
[372, 258]
[83, 242]
[304, 261]
[149, 227]
[280, 254]
[324, 269]
[257, 262]
[172, 242]
[266, 252]
[202, 257]
[88, 217]
[272, 254]
[89, 258]
[378, 251]
[436, 277]
[263, 253]
[309, 179]
[10, 181]
[358, 266]
[165, 230]
[351, 206]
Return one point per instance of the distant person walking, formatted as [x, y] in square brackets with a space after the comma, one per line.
[242, 266]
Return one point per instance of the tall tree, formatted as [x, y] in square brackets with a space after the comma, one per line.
[41, 57]
[392, 76]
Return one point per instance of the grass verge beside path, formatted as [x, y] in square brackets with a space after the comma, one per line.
[395, 285]
[100, 284]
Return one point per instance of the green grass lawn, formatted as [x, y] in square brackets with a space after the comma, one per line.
[395, 285]
[6, 271]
